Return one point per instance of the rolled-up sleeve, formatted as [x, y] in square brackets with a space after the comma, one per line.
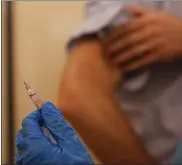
[99, 15]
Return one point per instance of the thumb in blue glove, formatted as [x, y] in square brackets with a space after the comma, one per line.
[34, 147]
[178, 156]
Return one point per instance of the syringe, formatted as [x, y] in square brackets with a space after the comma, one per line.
[38, 104]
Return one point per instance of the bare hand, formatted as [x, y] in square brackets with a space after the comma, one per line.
[150, 37]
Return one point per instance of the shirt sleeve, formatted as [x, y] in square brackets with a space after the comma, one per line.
[99, 15]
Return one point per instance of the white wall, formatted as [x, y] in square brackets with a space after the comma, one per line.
[41, 31]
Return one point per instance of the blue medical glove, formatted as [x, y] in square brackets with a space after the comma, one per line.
[34, 147]
[178, 155]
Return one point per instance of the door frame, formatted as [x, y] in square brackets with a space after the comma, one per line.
[9, 17]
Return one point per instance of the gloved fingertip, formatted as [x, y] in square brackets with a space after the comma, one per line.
[177, 157]
[34, 114]
[47, 104]
[49, 108]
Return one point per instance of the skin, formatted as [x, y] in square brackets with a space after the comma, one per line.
[86, 99]
[150, 37]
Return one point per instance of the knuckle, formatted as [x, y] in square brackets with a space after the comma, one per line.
[115, 47]
[132, 38]
[136, 37]
[136, 51]
[129, 40]
[151, 17]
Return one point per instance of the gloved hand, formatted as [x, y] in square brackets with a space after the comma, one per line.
[34, 147]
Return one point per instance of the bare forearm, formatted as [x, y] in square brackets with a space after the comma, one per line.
[108, 133]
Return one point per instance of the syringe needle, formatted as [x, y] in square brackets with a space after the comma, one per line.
[25, 83]
[38, 103]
